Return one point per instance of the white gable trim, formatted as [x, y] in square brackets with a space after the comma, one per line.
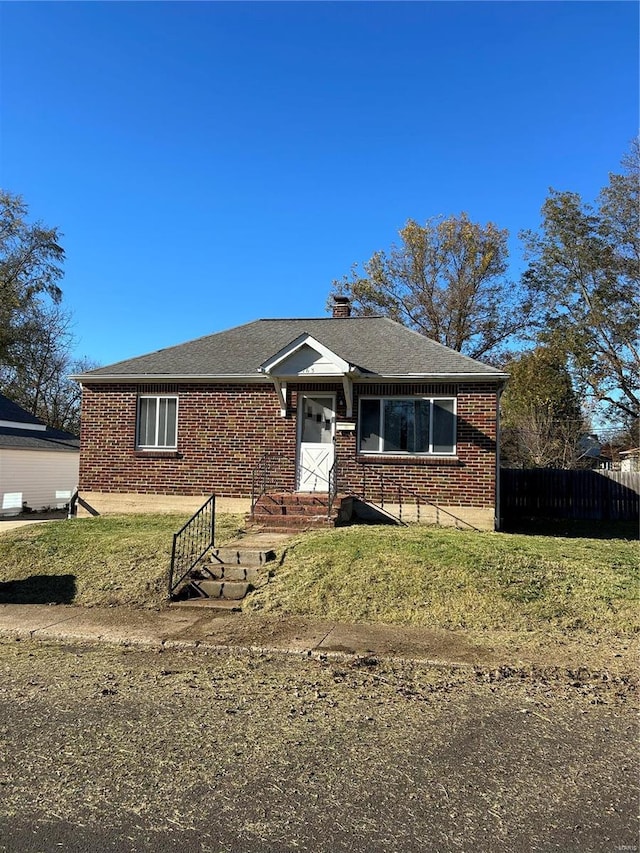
[275, 368]
[270, 365]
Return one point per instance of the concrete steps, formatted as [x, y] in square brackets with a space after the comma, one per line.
[227, 574]
[209, 604]
[230, 590]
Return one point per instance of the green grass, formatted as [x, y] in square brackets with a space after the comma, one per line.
[108, 560]
[483, 583]
[454, 579]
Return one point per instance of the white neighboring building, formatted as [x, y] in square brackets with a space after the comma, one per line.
[630, 460]
[38, 465]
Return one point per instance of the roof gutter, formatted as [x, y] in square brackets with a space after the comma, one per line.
[263, 378]
[128, 378]
[430, 377]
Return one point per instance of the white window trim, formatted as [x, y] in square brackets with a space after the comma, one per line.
[157, 397]
[405, 453]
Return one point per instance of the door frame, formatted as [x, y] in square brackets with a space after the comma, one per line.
[302, 395]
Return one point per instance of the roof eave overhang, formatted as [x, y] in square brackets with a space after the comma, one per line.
[130, 378]
[44, 448]
[434, 377]
[264, 378]
[34, 427]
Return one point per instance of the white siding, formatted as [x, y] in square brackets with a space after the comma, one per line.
[630, 465]
[44, 478]
[306, 360]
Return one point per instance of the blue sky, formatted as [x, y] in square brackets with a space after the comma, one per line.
[213, 163]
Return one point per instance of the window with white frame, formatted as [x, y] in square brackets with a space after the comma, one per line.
[409, 425]
[157, 422]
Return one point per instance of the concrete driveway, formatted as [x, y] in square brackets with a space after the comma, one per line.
[9, 523]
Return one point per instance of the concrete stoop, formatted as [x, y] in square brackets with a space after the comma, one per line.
[294, 512]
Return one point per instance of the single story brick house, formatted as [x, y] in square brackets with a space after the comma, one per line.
[38, 464]
[360, 405]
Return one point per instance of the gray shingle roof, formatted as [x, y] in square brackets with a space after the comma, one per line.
[23, 438]
[10, 411]
[50, 439]
[374, 345]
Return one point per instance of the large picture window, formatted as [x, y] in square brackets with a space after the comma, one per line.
[407, 425]
[157, 422]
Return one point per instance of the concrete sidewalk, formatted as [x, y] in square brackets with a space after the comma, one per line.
[8, 523]
[189, 628]
[199, 627]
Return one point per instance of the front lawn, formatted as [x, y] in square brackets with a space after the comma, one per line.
[453, 579]
[483, 584]
[100, 561]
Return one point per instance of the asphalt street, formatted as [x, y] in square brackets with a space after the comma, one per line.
[127, 749]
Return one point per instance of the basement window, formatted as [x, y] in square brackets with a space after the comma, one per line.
[157, 422]
[407, 425]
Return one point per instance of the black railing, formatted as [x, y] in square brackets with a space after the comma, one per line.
[191, 543]
[389, 490]
[377, 488]
[76, 501]
[332, 486]
[269, 475]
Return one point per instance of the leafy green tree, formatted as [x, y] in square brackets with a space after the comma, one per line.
[446, 279]
[585, 265]
[542, 423]
[31, 261]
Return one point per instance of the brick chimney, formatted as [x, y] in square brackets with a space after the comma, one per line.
[341, 307]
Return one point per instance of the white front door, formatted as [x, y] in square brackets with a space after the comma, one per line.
[316, 449]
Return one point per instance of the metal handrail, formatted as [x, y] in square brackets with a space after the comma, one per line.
[262, 476]
[77, 501]
[402, 492]
[191, 543]
[332, 484]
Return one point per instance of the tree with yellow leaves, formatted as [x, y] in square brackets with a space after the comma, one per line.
[446, 279]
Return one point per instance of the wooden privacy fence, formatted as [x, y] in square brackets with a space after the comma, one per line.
[550, 493]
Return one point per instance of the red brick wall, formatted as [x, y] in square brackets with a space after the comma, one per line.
[468, 479]
[223, 430]
[220, 440]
